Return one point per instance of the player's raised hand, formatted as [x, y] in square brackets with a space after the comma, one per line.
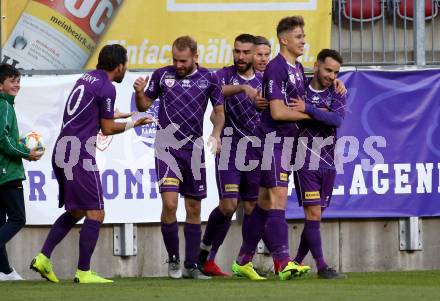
[144, 120]
[215, 144]
[260, 102]
[140, 83]
[297, 104]
[118, 114]
[340, 87]
[35, 155]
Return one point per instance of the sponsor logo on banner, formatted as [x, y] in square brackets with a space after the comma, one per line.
[311, 195]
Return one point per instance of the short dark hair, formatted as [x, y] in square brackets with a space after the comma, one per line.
[111, 56]
[184, 42]
[325, 53]
[260, 40]
[289, 23]
[245, 38]
[8, 71]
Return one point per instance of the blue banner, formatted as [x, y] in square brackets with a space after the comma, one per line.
[403, 107]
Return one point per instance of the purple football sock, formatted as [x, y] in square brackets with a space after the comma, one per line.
[303, 248]
[216, 223]
[278, 240]
[170, 234]
[59, 230]
[193, 236]
[88, 238]
[254, 231]
[218, 240]
[313, 236]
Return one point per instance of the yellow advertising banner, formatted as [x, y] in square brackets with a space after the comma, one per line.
[147, 29]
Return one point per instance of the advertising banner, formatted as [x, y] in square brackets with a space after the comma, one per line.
[66, 34]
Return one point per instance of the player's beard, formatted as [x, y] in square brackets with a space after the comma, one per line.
[120, 78]
[182, 72]
[322, 82]
[243, 68]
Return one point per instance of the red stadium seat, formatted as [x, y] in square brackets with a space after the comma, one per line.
[363, 10]
[431, 9]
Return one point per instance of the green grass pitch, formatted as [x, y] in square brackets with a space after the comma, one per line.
[389, 286]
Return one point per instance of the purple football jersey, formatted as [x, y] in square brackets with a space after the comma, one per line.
[333, 102]
[183, 100]
[241, 113]
[92, 98]
[282, 81]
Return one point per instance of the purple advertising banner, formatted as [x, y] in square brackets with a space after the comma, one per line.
[392, 147]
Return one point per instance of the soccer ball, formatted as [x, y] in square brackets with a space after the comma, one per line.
[33, 140]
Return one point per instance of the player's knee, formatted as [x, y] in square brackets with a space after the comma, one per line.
[228, 207]
[96, 215]
[193, 210]
[313, 213]
[248, 207]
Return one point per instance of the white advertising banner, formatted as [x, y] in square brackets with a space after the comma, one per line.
[125, 161]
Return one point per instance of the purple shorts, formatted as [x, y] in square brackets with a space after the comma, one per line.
[83, 192]
[192, 183]
[276, 176]
[236, 182]
[314, 187]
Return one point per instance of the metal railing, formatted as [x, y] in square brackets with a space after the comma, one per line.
[383, 32]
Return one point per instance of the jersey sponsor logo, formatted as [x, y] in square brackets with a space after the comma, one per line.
[186, 83]
[201, 188]
[235, 82]
[271, 86]
[170, 181]
[315, 100]
[108, 103]
[231, 188]
[311, 195]
[169, 82]
[202, 83]
[284, 177]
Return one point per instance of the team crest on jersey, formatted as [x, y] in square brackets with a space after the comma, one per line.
[298, 77]
[202, 83]
[102, 141]
[235, 82]
[292, 77]
[170, 81]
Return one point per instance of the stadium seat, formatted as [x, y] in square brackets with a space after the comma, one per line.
[362, 10]
[407, 11]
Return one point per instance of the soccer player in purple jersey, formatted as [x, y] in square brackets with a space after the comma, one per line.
[89, 108]
[262, 53]
[184, 89]
[314, 181]
[240, 86]
[283, 80]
